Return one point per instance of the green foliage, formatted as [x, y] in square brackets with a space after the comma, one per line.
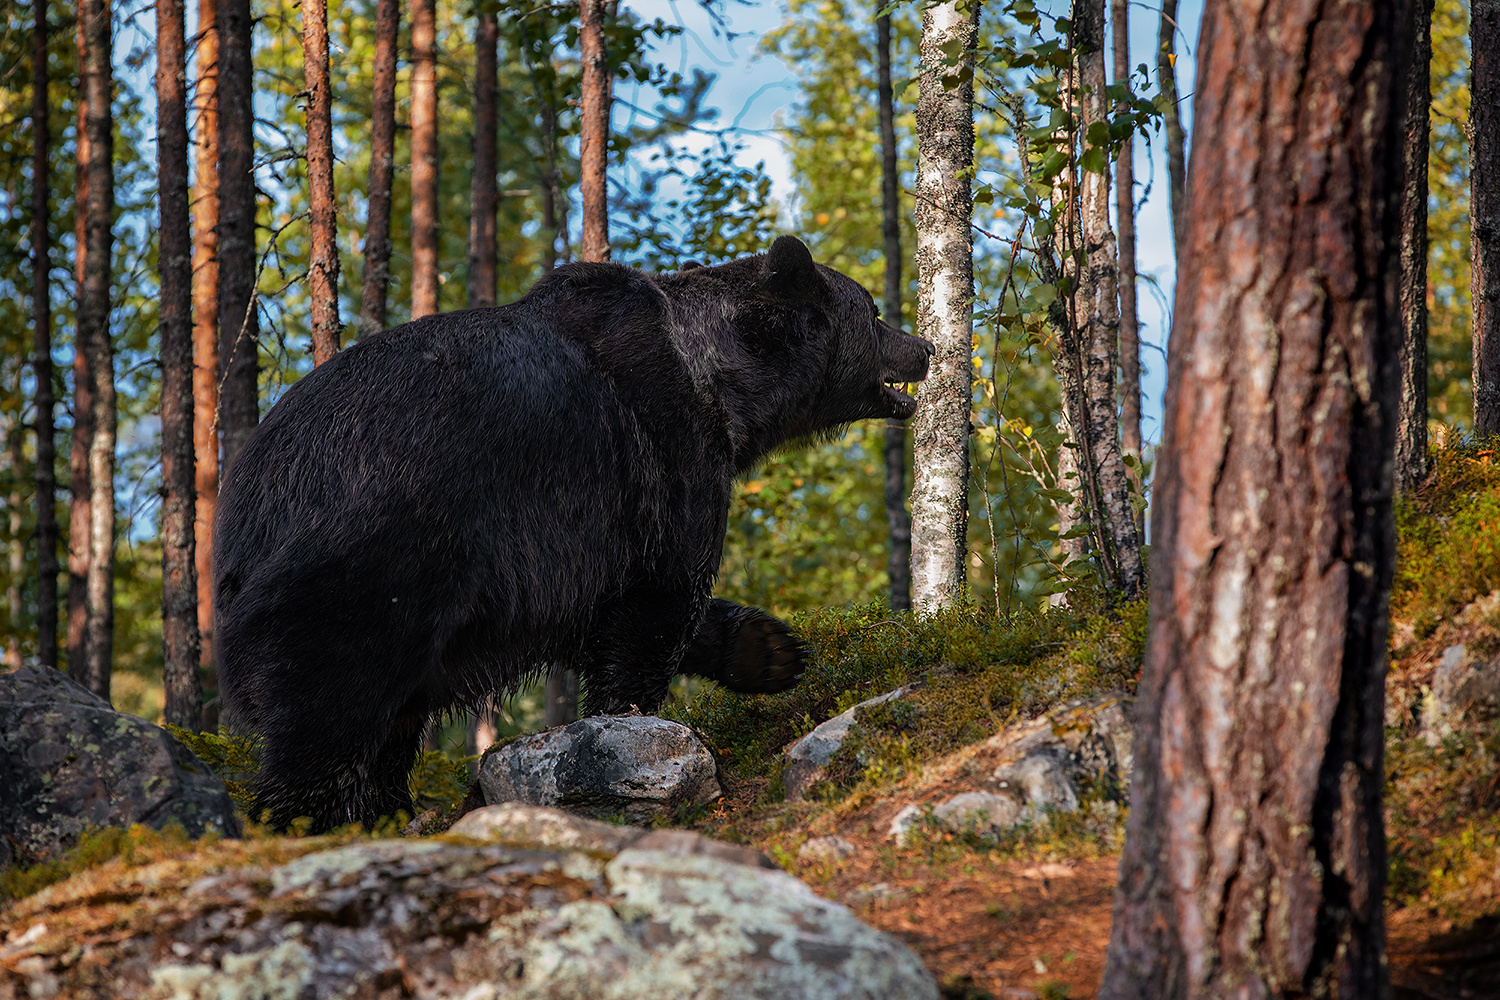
[235, 759]
[94, 847]
[439, 781]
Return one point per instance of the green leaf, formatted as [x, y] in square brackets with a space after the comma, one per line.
[1095, 160]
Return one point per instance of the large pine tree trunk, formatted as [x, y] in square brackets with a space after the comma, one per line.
[1166, 75]
[179, 584]
[1411, 426]
[897, 516]
[205, 206]
[239, 320]
[1130, 329]
[1102, 322]
[41, 365]
[82, 435]
[1484, 211]
[1255, 860]
[424, 162]
[323, 260]
[377, 271]
[483, 194]
[593, 135]
[93, 317]
[945, 293]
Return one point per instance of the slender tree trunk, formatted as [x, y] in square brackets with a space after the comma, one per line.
[895, 430]
[483, 194]
[1101, 285]
[1484, 211]
[206, 339]
[562, 698]
[554, 206]
[93, 316]
[1166, 74]
[17, 543]
[179, 583]
[323, 260]
[945, 304]
[424, 165]
[1411, 427]
[1130, 328]
[82, 437]
[239, 321]
[1255, 858]
[482, 733]
[377, 273]
[41, 365]
[593, 135]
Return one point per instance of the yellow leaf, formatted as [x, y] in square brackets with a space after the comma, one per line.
[754, 486]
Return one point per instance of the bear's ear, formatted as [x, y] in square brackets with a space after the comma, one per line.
[790, 267]
[690, 265]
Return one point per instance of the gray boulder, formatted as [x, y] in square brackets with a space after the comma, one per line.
[632, 767]
[1463, 685]
[807, 759]
[68, 761]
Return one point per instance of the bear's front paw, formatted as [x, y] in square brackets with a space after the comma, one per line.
[765, 657]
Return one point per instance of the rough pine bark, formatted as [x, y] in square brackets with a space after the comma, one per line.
[323, 259]
[377, 272]
[1484, 239]
[1411, 426]
[1130, 328]
[93, 317]
[41, 364]
[424, 165]
[1102, 321]
[1166, 75]
[593, 135]
[897, 516]
[483, 192]
[205, 207]
[945, 293]
[179, 584]
[1254, 861]
[239, 321]
[81, 438]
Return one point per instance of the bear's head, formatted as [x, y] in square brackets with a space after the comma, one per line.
[805, 351]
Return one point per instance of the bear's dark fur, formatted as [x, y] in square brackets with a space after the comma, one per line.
[448, 507]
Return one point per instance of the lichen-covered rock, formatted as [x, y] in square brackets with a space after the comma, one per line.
[1464, 685]
[542, 826]
[825, 851]
[450, 919]
[67, 761]
[807, 759]
[633, 767]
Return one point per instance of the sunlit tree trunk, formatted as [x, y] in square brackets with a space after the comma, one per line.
[323, 259]
[1130, 328]
[593, 136]
[1166, 74]
[945, 293]
[1484, 211]
[424, 165]
[93, 317]
[179, 584]
[1411, 426]
[205, 208]
[377, 272]
[483, 194]
[41, 365]
[899, 520]
[82, 436]
[1255, 858]
[239, 320]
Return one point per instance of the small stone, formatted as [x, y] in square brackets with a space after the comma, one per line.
[541, 826]
[903, 822]
[979, 812]
[808, 758]
[825, 851]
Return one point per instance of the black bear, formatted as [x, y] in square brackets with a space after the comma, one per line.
[447, 508]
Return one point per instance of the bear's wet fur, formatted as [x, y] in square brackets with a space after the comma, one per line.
[449, 507]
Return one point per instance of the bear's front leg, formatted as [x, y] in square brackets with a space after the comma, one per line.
[745, 649]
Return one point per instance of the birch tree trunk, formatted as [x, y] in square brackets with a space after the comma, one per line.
[424, 165]
[1411, 426]
[82, 436]
[1119, 541]
[945, 294]
[1130, 328]
[483, 194]
[41, 365]
[205, 206]
[93, 317]
[1166, 75]
[1484, 211]
[239, 320]
[593, 135]
[1255, 858]
[897, 516]
[323, 259]
[375, 281]
[179, 584]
